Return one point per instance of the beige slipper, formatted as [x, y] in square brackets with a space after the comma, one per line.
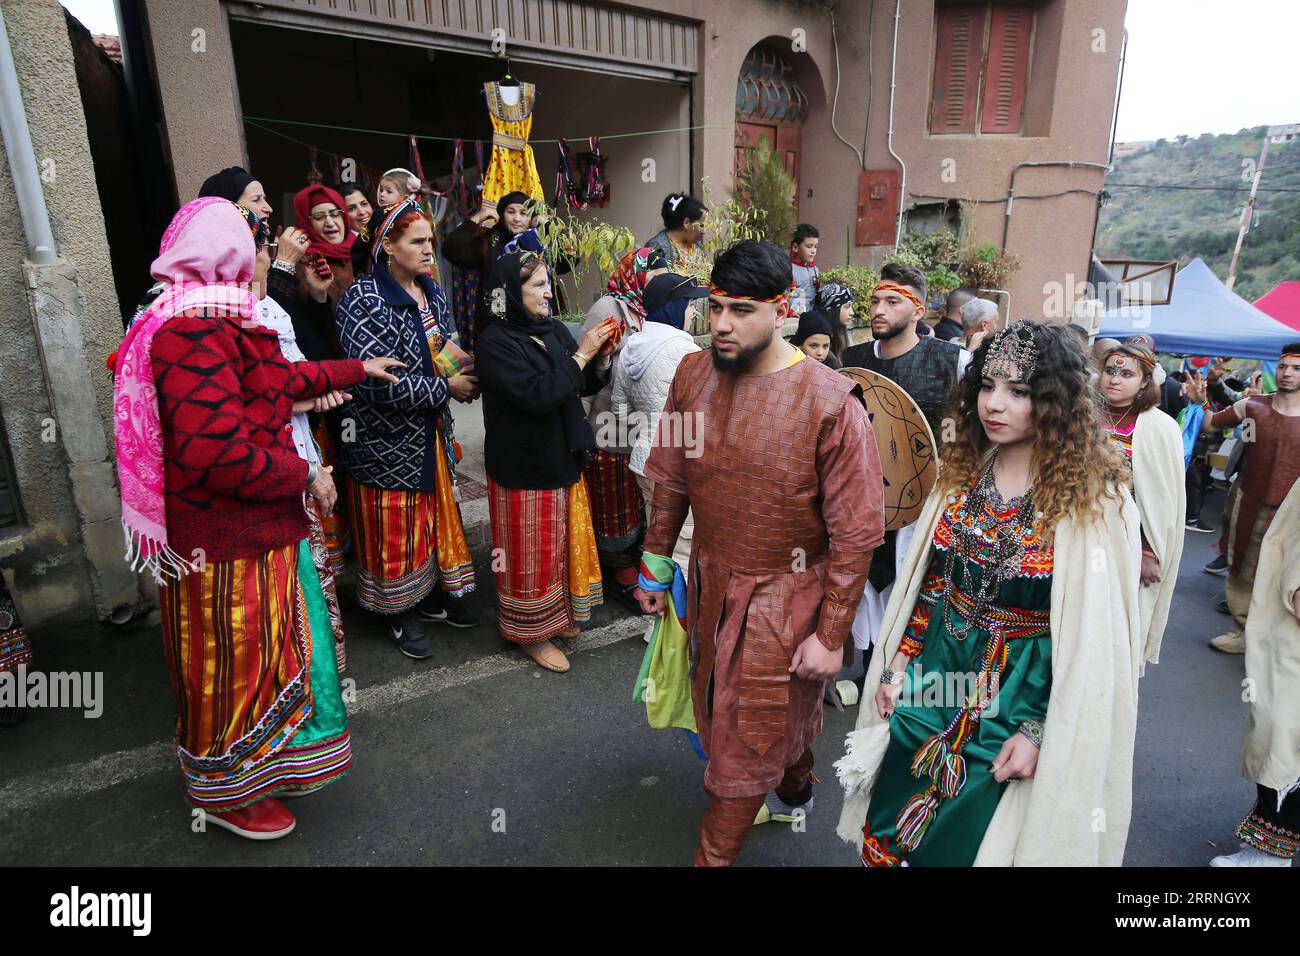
[547, 656]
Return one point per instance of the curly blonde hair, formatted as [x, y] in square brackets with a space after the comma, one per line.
[1075, 466]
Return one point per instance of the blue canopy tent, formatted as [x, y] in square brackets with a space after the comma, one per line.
[1203, 317]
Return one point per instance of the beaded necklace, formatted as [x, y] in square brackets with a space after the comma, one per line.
[969, 539]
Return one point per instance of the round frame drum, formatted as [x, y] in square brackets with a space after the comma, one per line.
[908, 458]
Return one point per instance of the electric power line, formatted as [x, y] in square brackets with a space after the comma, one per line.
[1221, 189]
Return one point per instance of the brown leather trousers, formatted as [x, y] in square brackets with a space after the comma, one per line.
[728, 820]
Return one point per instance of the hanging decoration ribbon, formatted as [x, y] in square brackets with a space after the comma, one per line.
[592, 190]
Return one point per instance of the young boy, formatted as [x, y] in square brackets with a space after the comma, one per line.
[803, 252]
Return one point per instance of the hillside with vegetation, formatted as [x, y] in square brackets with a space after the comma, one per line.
[1139, 222]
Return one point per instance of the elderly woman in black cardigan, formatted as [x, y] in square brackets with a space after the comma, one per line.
[532, 373]
[413, 560]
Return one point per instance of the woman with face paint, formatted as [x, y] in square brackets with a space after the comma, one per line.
[1005, 703]
[1152, 443]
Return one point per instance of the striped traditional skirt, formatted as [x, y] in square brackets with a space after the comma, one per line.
[15, 648]
[258, 705]
[408, 541]
[616, 508]
[550, 577]
[337, 531]
[320, 557]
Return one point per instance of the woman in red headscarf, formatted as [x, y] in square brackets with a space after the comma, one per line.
[311, 271]
[616, 503]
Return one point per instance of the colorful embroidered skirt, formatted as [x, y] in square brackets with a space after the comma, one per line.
[338, 534]
[15, 648]
[258, 705]
[550, 578]
[320, 557]
[1272, 829]
[934, 812]
[407, 541]
[616, 508]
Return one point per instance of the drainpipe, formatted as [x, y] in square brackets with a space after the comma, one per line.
[902, 183]
[1110, 155]
[1011, 190]
[1119, 91]
[22, 159]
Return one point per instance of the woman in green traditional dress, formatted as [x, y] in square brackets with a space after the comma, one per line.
[1003, 724]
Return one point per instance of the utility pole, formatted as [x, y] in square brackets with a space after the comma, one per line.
[1247, 213]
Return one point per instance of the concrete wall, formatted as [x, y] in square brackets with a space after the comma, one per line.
[59, 424]
[200, 103]
[1068, 112]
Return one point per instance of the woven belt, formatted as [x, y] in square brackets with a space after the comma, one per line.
[1014, 622]
[506, 141]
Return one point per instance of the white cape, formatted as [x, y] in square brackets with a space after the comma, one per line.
[1161, 492]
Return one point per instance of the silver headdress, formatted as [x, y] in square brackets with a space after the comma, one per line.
[1013, 353]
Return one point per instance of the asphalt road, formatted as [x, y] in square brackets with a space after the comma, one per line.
[478, 757]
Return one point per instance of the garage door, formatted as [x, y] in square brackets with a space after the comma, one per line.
[560, 32]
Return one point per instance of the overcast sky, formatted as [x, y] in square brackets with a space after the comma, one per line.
[1209, 66]
[1194, 66]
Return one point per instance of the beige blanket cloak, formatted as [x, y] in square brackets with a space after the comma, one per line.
[1271, 755]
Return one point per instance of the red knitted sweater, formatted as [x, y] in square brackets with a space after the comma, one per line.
[234, 482]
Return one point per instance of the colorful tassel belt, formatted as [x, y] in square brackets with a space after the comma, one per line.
[1013, 622]
[940, 759]
[506, 141]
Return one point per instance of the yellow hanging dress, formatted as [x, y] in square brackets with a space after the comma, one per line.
[512, 168]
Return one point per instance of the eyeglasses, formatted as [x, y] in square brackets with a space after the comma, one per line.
[328, 214]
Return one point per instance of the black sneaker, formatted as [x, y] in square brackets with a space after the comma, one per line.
[1194, 524]
[438, 607]
[1222, 607]
[412, 639]
[1218, 566]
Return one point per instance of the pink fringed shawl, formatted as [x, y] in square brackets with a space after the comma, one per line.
[207, 255]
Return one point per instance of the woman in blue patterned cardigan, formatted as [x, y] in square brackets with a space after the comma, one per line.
[397, 447]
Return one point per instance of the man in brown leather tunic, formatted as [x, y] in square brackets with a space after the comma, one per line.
[1271, 466]
[784, 479]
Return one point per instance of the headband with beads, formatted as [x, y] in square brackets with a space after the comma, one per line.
[905, 293]
[1013, 349]
[779, 297]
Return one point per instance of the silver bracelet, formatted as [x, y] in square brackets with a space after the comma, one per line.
[1033, 729]
[312, 470]
[285, 266]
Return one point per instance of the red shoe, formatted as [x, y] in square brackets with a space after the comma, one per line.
[265, 820]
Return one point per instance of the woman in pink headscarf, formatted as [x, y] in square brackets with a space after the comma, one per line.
[213, 504]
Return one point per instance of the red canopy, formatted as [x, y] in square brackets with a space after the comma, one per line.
[1282, 303]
